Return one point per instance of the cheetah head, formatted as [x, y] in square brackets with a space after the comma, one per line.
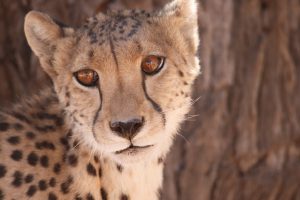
[124, 78]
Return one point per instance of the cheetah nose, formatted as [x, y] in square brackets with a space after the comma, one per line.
[127, 129]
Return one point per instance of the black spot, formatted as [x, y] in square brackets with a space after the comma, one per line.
[50, 61]
[59, 121]
[52, 182]
[30, 135]
[103, 194]
[56, 168]
[4, 126]
[21, 117]
[49, 145]
[65, 186]
[1, 195]
[77, 197]
[100, 172]
[28, 178]
[2, 170]
[93, 37]
[76, 144]
[96, 159]
[68, 104]
[38, 145]
[45, 116]
[45, 129]
[120, 168]
[91, 53]
[18, 179]
[52, 196]
[65, 142]
[18, 126]
[68, 94]
[64, 157]
[45, 145]
[50, 100]
[69, 134]
[32, 159]
[160, 160]
[31, 190]
[124, 197]
[89, 196]
[72, 160]
[16, 155]
[13, 140]
[180, 73]
[91, 170]
[43, 185]
[44, 161]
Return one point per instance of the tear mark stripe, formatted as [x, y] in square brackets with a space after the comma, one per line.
[156, 106]
[98, 110]
[112, 49]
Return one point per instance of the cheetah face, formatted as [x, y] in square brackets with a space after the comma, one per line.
[124, 79]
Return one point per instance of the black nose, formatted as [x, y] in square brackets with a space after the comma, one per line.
[127, 129]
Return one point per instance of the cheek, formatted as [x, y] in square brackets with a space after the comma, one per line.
[170, 90]
[82, 105]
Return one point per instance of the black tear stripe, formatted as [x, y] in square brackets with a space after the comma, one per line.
[113, 52]
[112, 47]
[154, 104]
[98, 110]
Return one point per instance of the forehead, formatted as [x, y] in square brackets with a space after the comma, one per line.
[123, 36]
[116, 27]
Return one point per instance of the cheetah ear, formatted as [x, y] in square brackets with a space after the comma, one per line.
[184, 15]
[182, 8]
[42, 33]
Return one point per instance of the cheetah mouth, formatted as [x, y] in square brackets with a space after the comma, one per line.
[132, 149]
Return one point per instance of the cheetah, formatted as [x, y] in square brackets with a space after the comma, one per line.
[121, 86]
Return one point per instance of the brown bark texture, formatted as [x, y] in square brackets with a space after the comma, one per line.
[242, 137]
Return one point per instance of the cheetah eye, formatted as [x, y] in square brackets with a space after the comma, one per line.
[86, 77]
[152, 64]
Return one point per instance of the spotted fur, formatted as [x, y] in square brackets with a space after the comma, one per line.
[59, 145]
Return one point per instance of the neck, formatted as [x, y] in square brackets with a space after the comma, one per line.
[136, 181]
[141, 180]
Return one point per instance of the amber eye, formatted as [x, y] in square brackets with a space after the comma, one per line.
[152, 64]
[86, 77]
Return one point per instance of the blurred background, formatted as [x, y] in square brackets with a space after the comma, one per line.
[242, 138]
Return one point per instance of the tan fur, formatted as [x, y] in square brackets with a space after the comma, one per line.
[67, 129]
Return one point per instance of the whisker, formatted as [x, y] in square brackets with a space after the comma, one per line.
[190, 120]
[80, 142]
[188, 117]
[184, 138]
[92, 153]
[196, 100]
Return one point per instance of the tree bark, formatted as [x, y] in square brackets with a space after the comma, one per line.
[242, 137]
